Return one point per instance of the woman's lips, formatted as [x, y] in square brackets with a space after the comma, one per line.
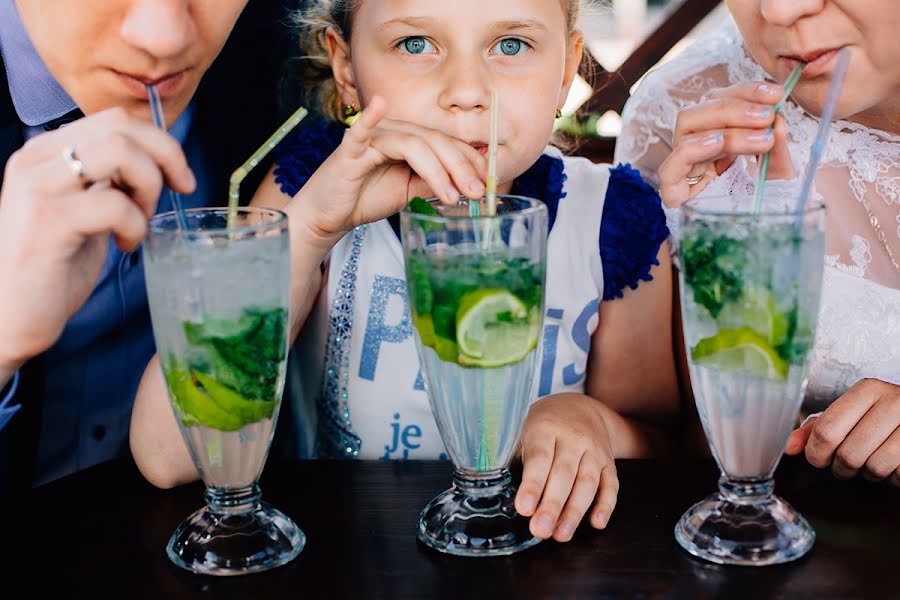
[817, 63]
[136, 85]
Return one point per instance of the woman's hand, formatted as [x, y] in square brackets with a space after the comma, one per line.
[568, 466]
[380, 165]
[734, 121]
[859, 433]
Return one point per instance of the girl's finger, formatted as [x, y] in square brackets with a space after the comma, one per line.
[420, 157]
[537, 458]
[607, 498]
[462, 162]
[832, 427]
[359, 136]
[556, 492]
[580, 498]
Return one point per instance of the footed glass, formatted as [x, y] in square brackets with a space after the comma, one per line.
[476, 288]
[750, 287]
[219, 300]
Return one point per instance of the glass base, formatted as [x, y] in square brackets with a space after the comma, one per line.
[476, 517]
[744, 524]
[235, 537]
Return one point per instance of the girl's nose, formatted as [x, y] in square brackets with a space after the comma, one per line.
[466, 84]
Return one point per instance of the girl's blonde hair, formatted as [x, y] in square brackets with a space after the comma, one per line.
[313, 68]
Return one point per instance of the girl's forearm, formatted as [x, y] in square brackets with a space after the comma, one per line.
[634, 438]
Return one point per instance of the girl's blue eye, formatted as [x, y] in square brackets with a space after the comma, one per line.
[417, 45]
[510, 47]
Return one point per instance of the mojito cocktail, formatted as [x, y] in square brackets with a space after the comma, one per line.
[219, 303]
[750, 288]
[476, 288]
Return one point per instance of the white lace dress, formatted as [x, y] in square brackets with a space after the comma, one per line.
[859, 325]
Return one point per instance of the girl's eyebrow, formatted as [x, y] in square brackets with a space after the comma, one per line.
[511, 25]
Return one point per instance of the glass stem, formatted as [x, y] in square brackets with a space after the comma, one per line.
[487, 483]
[232, 501]
[746, 492]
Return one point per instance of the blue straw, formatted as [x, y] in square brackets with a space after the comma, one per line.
[159, 120]
[818, 147]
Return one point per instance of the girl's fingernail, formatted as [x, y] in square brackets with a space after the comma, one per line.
[476, 187]
[565, 530]
[453, 193]
[761, 137]
[545, 524]
[760, 112]
[528, 504]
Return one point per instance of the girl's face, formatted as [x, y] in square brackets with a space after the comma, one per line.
[780, 32]
[436, 62]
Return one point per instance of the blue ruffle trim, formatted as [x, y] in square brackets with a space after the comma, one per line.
[631, 233]
[303, 151]
[544, 181]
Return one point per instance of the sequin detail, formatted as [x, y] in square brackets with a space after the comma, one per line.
[335, 437]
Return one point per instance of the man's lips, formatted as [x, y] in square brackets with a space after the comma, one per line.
[818, 62]
[136, 84]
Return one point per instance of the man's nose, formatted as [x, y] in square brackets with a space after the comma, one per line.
[162, 28]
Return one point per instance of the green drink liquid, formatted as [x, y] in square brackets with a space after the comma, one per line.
[228, 374]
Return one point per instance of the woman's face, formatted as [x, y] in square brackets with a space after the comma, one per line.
[102, 52]
[778, 33]
[436, 62]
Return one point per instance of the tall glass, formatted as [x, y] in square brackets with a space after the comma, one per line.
[750, 287]
[219, 303]
[476, 288]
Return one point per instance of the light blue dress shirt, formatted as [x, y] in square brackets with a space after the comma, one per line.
[92, 372]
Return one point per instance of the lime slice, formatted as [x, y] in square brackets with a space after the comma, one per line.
[249, 411]
[740, 350]
[424, 324]
[494, 328]
[756, 310]
[196, 407]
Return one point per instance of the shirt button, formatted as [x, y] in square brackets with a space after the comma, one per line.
[135, 258]
[99, 432]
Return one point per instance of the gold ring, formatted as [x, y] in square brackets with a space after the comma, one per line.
[75, 165]
[693, 179]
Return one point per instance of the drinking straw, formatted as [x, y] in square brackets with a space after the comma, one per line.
[491, 190]
[234, 183]
[825, 121]
[159, 120]
[761, 173]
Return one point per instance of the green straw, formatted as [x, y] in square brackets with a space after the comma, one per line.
[234, 184]
[763, 170]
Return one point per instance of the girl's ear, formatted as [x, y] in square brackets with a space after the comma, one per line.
[574, 53]
[342, 68]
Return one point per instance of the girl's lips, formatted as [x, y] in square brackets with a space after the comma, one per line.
[481, 147]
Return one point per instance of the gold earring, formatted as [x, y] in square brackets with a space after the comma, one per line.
[350, 114]
[558, 113]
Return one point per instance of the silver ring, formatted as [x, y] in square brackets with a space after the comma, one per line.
[75, 165]
[693, 179]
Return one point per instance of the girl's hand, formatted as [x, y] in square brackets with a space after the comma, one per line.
[859, 433]
[568, 465]
[382, 164]
[709, 136]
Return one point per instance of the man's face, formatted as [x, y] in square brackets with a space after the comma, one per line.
[104, 52]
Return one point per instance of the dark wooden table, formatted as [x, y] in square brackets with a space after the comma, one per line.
[102, 533]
